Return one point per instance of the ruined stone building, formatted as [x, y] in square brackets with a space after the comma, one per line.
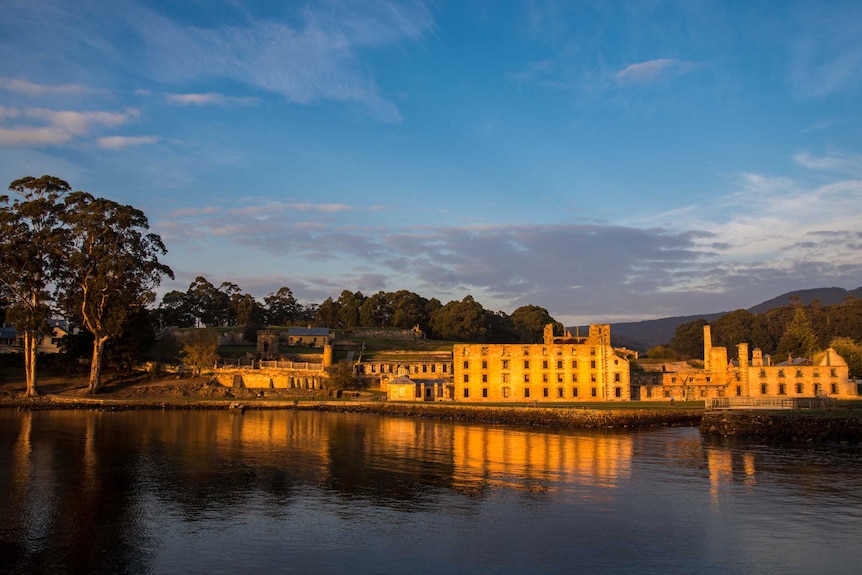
[561, 369]
[751, 375]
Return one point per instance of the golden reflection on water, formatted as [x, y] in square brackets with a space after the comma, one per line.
[521, 460]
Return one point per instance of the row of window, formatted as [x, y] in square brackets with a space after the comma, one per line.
[526, 351]
[546, 392]
[560, 363]
[393, 367]
[799, 387]
[545, 377]
[832, 373]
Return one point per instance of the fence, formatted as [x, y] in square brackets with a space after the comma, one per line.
[769, 402]
[268, 364]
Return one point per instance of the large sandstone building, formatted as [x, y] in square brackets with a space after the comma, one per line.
[561, 369]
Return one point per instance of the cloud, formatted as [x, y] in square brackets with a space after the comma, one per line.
[652, 71]
[824, 63]
[31, 89]
[120, 142]
[317, 56]
[834, 162]
[40, 126]
[210, 98]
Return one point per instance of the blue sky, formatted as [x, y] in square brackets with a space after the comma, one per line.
[609, 161]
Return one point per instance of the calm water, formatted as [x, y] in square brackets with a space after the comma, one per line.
[296, 492]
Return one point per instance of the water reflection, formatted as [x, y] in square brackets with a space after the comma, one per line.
[113, 492]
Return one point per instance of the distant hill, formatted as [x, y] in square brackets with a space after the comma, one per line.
[642, 335]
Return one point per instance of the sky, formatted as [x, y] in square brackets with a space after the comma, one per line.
[608, 161]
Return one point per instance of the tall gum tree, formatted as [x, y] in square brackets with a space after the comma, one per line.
[31, 237]
[111, 270]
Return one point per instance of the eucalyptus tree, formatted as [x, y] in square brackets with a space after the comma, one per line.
[111, 269]
[31, 237]
[281, 307]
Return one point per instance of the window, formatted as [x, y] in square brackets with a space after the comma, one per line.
[544, 364]
[466, 364]
[763, 389]
[592, 377]
[616, 377]
[782, 389]
[445, 368]
[593, 391]
[798, 373]
[833, 373]
[560, 364]
[545, 377]
[507, 391]
[618, 392]
[466, 378]
[574, 392]
[762, 373]
[505, 364]
[484, 378]
[592, 351]
[559, 378]
[526, 392]
[505, 378]
[526, 364]
[560, 392]
[738, 390]
[466, 392]
[799, 388]
[544, 392]
[526, 378]
[574, 378]
[833, 388]
[433, 368]
[484, 364]
[780, 373]
[816, 389]
[649, 392]
[574, 364]
[484, 392]
[592, 364]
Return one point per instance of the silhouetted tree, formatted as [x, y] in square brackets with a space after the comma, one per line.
[31, 240]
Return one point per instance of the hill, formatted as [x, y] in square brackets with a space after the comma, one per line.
[642, 335]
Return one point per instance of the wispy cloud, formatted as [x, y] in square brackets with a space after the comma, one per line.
[652, 71]
[120, 142]
[31, 89]
[40, 126]
[833, 162]
[318, 58]
[210, 98]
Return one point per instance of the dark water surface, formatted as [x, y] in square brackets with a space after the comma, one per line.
[300, 492]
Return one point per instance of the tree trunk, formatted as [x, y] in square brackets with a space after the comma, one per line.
[96, 364]
[30, 363]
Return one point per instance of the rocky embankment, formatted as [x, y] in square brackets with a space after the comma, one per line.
[533, 416]
[790, 427]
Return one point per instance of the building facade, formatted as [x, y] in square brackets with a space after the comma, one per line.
[561, 369]
[751, 375]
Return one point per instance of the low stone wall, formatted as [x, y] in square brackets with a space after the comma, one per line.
[792, 427]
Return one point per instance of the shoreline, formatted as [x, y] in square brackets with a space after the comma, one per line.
[533, 416]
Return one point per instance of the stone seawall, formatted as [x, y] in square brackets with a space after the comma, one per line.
[532, 416]
[528, 416]
[784, 427]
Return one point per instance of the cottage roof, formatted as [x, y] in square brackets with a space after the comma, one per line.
[308, 331]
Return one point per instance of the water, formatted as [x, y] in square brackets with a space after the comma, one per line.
[298, 492]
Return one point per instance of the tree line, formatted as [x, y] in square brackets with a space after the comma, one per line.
[89, 259]
[204, 304]
[793, 330]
